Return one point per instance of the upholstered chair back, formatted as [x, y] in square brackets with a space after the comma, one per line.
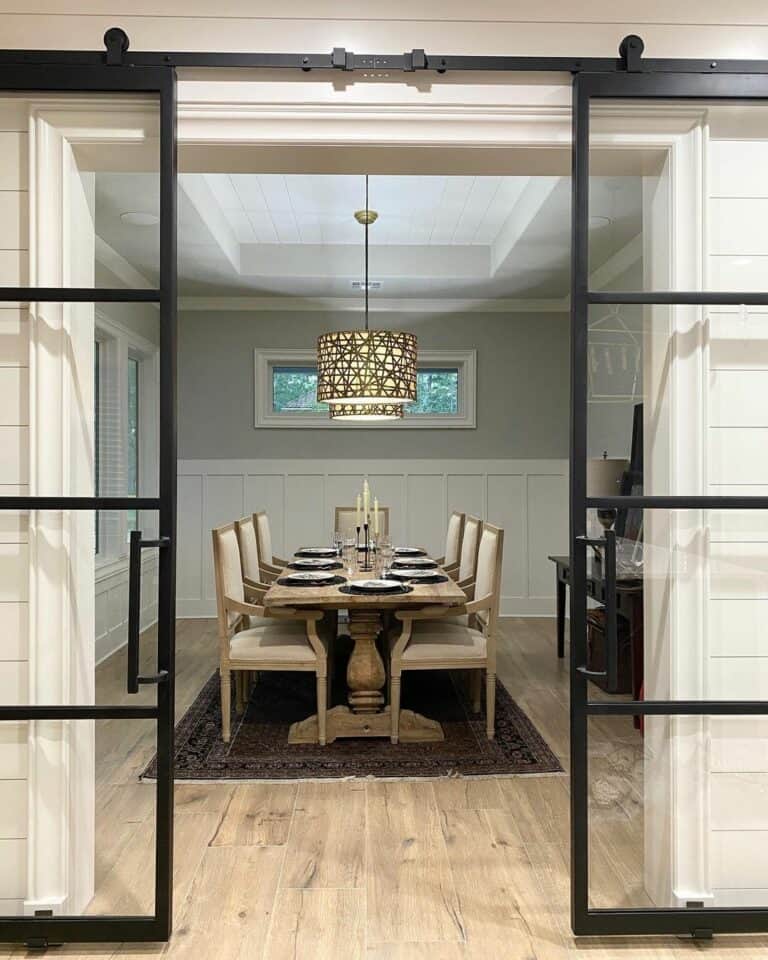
[488, 575]
[469, 546]
[228, 572]
[264, 536]
[453, 538]
[249, 548]
[345, 520]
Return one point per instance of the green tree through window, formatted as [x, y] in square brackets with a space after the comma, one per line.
[294, 389]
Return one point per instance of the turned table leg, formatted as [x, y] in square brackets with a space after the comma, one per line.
[365, 672]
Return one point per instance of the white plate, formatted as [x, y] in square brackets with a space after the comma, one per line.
[376, 586]
[409, 551]
[317, 551]
[318, 575]
[420, 562]
[311, 562]
[415, 574]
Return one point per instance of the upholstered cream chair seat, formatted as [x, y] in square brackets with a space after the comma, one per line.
[252, 638]
[430, 639]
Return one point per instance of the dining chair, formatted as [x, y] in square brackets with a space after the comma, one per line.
[453, 540]
[269, 564]
[345, 520]
[426, 643]
[285, 639]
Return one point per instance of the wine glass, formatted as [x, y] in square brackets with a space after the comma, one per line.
[350, 554]
[338, 542]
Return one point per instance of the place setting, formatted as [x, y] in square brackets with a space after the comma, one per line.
[311, 578]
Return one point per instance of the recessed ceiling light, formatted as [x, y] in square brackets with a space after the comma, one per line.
[137, 218]
[597, 223]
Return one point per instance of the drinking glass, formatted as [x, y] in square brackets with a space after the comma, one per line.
[350, 555]
[338, 542]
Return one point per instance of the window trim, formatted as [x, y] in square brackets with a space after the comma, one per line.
[463, 419]
[119, 344]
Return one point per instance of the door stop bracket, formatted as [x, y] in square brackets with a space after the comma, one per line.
[702, 933]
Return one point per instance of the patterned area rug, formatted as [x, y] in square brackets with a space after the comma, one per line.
[259, 749]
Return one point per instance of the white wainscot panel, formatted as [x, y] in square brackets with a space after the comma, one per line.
[14, 162]
[738, 627]
[390, 489]
[738, 455]
[13, 750]
[738, 272]
[737, 859]
[13, 874]
[267, 492]
[340, 491]
[507, 509]
[189, 571]
[739, 801]
[737, 168]
[738, 525]
[738, 744]
[14, 232]
[738, 570]
[737, 398]
[13, 809]
[426, 512]
[14, 333]
[14, 572]
[305, 521]
[737, 678]
[467, 494]
[547, 528]
[14, 395]
[14, 631]
[739, 339]
[14, 455]
[738, 227]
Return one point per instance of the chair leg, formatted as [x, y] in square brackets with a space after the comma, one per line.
[322, 706]
[394, 707]
[490, 704]
[240, 692]
[475, 689]
[226, 704]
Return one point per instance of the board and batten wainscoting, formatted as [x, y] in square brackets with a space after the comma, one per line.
[112, 602]
[529, 498]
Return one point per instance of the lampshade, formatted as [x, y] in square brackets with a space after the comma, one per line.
[604, 475]
[365, 412]
[366, 366]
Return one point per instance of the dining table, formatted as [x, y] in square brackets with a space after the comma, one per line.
[366, 713]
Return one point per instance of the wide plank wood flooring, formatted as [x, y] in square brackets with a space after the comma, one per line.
[373, 870]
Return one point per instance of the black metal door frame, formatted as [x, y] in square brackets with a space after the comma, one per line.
[627, 75]
[19, 73]
[660, 85]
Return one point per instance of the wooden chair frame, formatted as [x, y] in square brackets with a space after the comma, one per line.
[316, 662]
[270, 566]
[485, 611]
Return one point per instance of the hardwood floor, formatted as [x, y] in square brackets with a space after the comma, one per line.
[373, 870]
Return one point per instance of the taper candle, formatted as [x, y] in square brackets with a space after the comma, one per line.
[376, 515]
[357, 521]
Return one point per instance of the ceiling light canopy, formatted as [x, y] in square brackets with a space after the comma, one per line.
[366, 374]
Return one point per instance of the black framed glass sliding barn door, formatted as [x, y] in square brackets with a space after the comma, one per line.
[87, 499]
[670, 375]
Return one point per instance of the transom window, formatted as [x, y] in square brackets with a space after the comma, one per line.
[286, 391]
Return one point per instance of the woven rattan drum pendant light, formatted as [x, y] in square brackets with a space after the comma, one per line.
[366, 374]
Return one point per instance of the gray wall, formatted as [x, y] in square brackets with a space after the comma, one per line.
[522, 386]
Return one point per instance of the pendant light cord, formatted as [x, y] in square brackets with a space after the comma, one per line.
[366, 251]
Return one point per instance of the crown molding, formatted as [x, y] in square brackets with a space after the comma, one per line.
[353, 305]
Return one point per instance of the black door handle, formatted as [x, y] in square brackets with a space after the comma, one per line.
[611, 672]
[135, 679]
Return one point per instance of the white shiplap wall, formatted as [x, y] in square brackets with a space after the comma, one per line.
[737, 463]
[529, 498]
[14, 479]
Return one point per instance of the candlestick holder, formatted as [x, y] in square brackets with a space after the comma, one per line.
[366, 550]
